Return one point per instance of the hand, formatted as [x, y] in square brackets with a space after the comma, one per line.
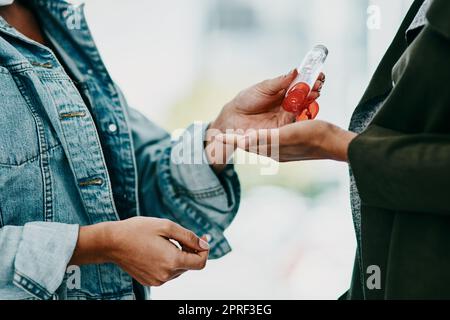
[141, 247]
[258, 107]
[306, 140]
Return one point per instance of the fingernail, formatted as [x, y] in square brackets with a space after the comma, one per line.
[290, 73]
[203, 244]
[208, 237]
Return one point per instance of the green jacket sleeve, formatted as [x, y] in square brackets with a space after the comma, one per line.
[407, 172]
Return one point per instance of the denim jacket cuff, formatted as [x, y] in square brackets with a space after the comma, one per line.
[212, 198]
[41, 260]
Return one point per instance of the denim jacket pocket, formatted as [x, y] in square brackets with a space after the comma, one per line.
[18, 128]
[26, 143]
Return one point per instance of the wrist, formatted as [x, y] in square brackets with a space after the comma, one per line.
[218, 153]
[109, 241]
[337, 143]
[94, 244]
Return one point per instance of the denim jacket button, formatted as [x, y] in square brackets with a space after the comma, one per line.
[91, 182]
[112, 128]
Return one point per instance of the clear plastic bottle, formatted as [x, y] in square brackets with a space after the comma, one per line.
[308, 72]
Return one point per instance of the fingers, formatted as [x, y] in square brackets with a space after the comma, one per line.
[193, 261]
[264, 142]
[322, 77]
[178, 262]
[277, 85]
[317, 88]
[236, 140]
[184, 236]
[313, 95]
[319, 83]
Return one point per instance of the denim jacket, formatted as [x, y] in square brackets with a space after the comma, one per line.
[73, 153]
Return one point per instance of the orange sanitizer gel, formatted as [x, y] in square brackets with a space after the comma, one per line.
[295, 100]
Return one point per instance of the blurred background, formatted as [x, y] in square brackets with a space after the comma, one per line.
[180, 61]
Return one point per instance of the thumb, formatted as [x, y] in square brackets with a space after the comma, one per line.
[189, 250]
[185, 237]
[276, 85]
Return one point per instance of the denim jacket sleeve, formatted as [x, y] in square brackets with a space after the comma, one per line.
[34, 257]
[176, 181]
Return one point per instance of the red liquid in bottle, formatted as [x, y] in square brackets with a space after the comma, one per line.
[309, 113]
[296, 100]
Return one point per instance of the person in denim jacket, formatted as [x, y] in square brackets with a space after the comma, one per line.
[86, 180]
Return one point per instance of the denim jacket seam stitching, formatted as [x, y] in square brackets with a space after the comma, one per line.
[51, 75]
[83, 294]
[1, 218]
[216, 188]
[203, 194]
[30, 159]
[17, 67]
[28, 281]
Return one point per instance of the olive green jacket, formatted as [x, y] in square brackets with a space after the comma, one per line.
[401, 165]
